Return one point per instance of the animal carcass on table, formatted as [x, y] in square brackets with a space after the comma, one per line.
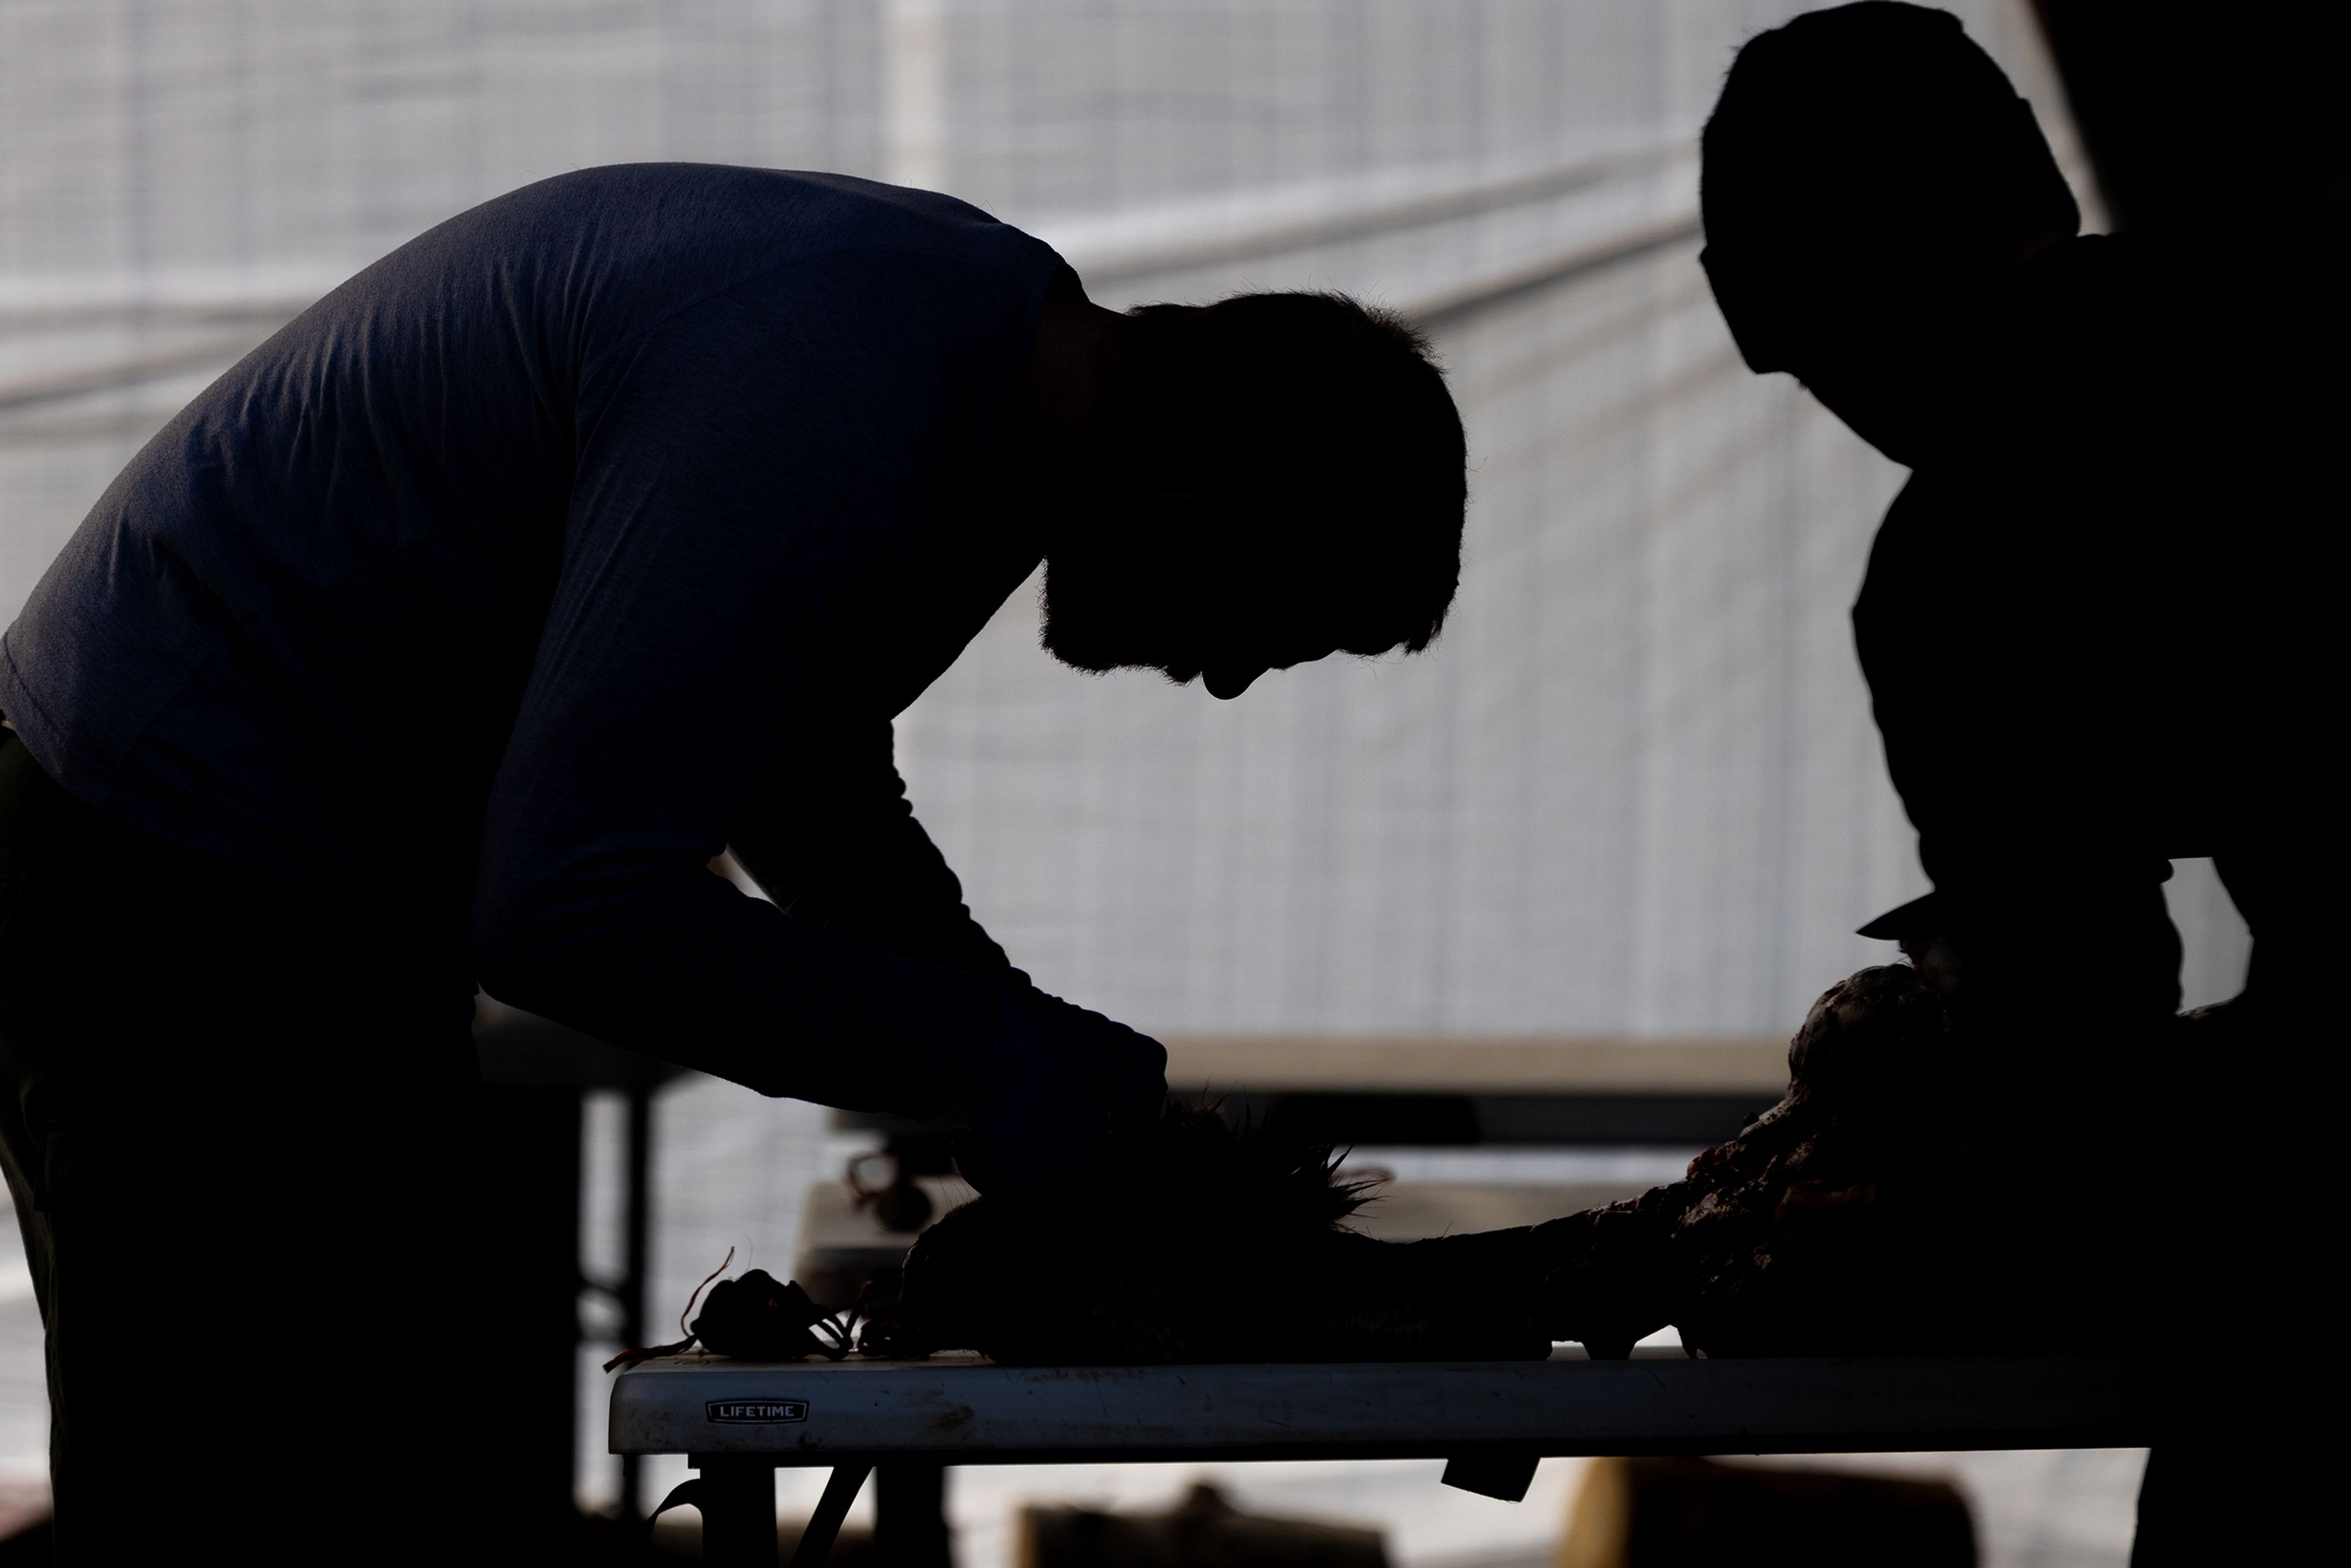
[1875, 1209]
[1886, 1204]
[1197, 1242]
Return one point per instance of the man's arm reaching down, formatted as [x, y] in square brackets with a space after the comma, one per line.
[841, 1023]
[839, 848]
[694, 651]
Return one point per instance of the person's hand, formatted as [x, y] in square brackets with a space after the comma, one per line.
[1059, 1082]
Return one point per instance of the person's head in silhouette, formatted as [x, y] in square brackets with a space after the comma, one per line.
[1871, 181]
[1246, 485]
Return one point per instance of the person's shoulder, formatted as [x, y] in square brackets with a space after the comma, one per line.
[2074, 292]
[730, 186]
[844, 213]
[2083, 346]
[629, 248]
[2309, 238]
[772, 214]
[2150, 338]
[2189, 282]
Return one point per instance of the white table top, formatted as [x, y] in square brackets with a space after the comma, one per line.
[968, 1411]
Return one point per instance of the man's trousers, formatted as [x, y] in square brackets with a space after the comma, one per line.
[235, 1122]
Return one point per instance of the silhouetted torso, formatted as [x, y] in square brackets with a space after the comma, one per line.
[602, 526]
[2098, 624]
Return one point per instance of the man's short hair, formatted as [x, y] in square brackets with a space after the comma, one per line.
[1874, 133]
[1321, 431]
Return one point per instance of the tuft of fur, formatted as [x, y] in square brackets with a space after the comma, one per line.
[1197, 1241]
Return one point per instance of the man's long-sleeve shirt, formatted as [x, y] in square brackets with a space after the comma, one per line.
[605, 524]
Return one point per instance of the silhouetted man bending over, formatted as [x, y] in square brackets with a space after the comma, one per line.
[2100, 628]
[453, 634]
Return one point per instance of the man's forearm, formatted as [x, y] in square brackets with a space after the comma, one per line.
[841, 849]
[895, 892]
[695, 973]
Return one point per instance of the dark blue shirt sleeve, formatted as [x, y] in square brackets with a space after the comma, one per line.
[748, 481]
[837, 844]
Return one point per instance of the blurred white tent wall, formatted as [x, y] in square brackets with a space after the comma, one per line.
[1634, 790]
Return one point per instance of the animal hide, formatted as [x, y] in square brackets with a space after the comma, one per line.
[1880, 1207]
[1199, 1242]
[1877, 1208]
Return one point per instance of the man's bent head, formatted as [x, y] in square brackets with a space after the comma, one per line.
[1271, 479]
[1869, 178]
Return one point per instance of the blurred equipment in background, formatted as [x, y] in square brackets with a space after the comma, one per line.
[1204, 1530]
[855, 1229]
[884, 1183]
[1700, 1513]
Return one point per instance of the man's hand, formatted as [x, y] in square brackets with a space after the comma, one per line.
[1059, 1081]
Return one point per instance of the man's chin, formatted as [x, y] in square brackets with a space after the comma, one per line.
[1099, 659]
[1097, 650]
[1075, 650]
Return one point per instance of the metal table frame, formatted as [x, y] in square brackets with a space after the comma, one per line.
[738, 1422]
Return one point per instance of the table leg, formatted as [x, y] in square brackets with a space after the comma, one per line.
[738, 1500]
[816, 1540]
[909, 1515]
